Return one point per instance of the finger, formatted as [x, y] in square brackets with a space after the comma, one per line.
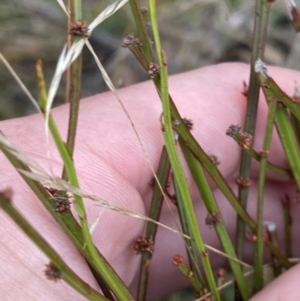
[202, 95]
[107, 148]
[283, 288]
[210, 96]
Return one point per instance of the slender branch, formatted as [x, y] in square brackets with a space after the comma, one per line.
[258, 252]
[57, 264]
[151, 228]
[259, 39]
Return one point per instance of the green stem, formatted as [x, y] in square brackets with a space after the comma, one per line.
[256, 156]
[282, 120]
[215, 218]
[286, 204]
[190, 243]
[98, 262]
[141, 27]
[259, 40]
[189, 275]
[258, 252]
[203, 158]
[276, 91]
[65, 219]
[77, 6]
[151, 228]
[69, 44]
[273, 237]
[74, 104]
[199, 153]
[82, 236]
[174, 157]
[63, 269]
[73, 84]
[109, 275]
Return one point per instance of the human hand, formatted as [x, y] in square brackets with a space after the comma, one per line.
[111, 165]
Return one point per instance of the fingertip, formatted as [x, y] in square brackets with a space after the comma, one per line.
[284, 288]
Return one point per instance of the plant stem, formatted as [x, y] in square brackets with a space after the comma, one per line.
[74, 83]
[108, 274]
[190, 277]
[256, 156]
[203, 158]
[151, 228]
[273, 237]
[282, 120]
[199, 153]
[286, 204]
[69, 44]
[215, 218]
[77, 6]
[190, 243]
[258, 252]
[66, 273]
[174, 157]
[141, 27]
[65, 219]
[276, 91]
[99, 263]
[74, 104]
[259, 40]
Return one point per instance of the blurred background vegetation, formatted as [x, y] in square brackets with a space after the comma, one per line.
[195, 33]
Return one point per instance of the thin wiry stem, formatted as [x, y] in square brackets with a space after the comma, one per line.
[73, 91]
[215, 217]
[259, 39]
[141, 27]
[204, 159]
[176, 164]
[259, 244]
[151, 228]
[286, 204]
[57, 264]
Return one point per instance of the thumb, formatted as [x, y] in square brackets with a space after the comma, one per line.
[285, 287]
